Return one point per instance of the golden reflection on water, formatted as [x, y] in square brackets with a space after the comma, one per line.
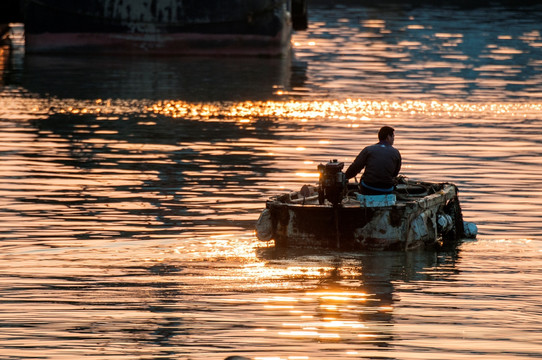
[482, 145]
[134, 289]
[244, 112]
[355, 110]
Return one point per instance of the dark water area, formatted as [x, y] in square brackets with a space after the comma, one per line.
[130, 188]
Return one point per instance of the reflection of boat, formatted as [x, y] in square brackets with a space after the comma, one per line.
[185, 78]
[249, 27]
[334, 214]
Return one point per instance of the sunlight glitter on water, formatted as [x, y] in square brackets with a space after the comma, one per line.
[340, 110]
[168, 251]
[464, 141]
[348, 109]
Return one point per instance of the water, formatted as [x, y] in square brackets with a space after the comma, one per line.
[130, 187]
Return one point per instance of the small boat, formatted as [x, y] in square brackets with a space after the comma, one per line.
[333, 214]
[170, 27]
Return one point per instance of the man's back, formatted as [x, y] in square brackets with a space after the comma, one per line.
[381, 161]
[382, 164]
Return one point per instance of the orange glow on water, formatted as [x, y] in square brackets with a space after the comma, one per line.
[355, 111]
[349, 109]
[176, 218]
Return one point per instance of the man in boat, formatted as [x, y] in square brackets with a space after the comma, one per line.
[382, 163]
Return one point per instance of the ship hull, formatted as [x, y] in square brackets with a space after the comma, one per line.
[244, 27]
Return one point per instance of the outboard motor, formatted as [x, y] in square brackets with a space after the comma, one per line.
[331, 183]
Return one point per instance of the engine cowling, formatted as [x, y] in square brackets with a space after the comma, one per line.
[331, 183]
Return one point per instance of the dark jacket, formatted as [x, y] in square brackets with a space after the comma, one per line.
[382, 163]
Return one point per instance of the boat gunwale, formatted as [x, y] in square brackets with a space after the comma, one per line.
[447, 190]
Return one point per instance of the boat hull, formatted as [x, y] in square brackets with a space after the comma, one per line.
[239, 27]
[402, 226]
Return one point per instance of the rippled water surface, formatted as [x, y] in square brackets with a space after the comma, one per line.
[130, 188]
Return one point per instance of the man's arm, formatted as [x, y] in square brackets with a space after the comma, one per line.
[357, 165]
[398, 165]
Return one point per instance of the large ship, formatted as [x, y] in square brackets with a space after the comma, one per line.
[193, 27]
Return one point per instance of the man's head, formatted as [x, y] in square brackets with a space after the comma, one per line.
[386, 133]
